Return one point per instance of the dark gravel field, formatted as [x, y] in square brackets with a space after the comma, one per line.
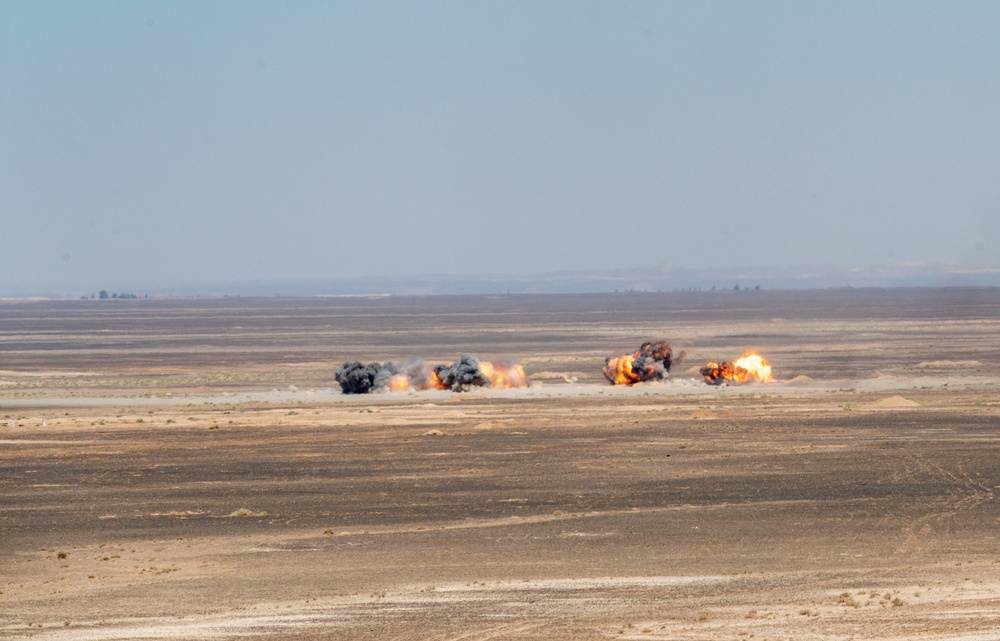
[181, 469]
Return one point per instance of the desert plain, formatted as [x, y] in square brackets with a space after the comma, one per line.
[188, 469]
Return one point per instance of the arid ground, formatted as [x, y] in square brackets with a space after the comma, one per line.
[188, 469]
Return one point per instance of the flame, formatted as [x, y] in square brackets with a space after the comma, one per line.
[399, 383]
[758, 367]
[420, 376]
[650, 362]
[748, 367]
[504, 375]
[433, 382]
[619, 370]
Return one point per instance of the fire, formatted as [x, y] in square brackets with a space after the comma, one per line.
[504, 375]
[619, 370]
[749, 367]
[758, 367]
[468, 372]
[648, 363]
[399, 383]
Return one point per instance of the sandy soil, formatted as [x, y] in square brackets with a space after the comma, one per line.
[186, 469]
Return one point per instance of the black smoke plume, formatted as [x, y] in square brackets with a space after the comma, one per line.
[462, 375]
[357, 378]
[650, 362]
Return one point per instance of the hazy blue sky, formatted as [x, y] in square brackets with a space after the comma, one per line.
[200, 142]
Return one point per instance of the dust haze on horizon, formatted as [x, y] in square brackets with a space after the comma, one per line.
[147, 144]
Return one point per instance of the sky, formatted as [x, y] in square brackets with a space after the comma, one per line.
[152, 144]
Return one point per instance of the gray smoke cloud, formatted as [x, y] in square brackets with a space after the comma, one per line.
[384, 376]
[462, 375]
[357, 378]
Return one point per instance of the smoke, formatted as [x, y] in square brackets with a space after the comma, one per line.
[400, 378]
[463, 375]
[468, 372]
[357, 378]
[385, 375]
[650, 362]
[749, 367]
[719, 373]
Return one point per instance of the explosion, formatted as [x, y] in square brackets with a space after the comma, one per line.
[749, 367]
[650, 362]
[460, 376]
[468, 372]
[356, 378]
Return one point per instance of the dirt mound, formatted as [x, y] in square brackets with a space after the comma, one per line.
[802, 379]
[896, 401]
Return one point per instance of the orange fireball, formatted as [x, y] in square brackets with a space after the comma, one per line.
[504, 375]
[433, 382]
[619, 370]
[749, 367]
[648, 363]
[399, 383]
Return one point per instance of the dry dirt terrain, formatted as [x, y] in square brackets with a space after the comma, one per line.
[187, 469]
